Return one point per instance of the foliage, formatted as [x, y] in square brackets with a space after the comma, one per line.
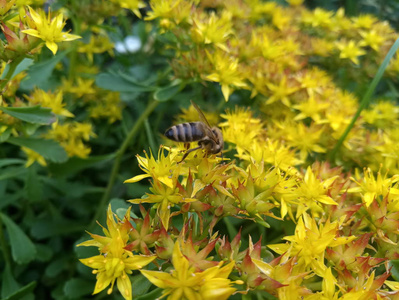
[303, 203]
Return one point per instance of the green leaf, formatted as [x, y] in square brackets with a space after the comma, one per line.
[395, 269]
[168, 92]
[49, 227]
[155, 294]
[33, 185]
[12, 172]
[77, 288]
[8, 283]
[49, 149]
[120, 83]
[39, 74]
[76, 164]
[11, 161]
[33, 114]
[56, 266]
[22, 66]
[5, 135]
[9, 16]
[141, 285]
[120, 206]
[22, 292]
[22, 249]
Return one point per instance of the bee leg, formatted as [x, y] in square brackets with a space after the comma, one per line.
[187, 146]
[188, 152]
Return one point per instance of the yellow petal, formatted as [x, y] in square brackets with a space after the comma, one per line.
[160, 279]
[226, 91]
[35, 16]
[52, 46]
[137, 178]
[279, 248]
[32, 32]
[70, 37]
[265, 268]
[124, 286]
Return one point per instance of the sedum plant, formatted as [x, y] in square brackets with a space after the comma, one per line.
[302, 203]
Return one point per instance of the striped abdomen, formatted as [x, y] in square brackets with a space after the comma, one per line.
[186, 132]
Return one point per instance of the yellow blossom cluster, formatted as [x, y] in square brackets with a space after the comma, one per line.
[306, 111]
[335, 217]
[72, 137]
[339, 231]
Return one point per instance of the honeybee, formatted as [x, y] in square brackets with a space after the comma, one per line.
[209, 138]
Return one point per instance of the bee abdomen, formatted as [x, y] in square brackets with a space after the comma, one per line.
[185, 132]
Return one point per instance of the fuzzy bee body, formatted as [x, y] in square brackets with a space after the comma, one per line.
[208, 138]
[186, 132]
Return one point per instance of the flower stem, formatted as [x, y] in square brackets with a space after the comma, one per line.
[74, 52]
[117, 162]
[366, 98]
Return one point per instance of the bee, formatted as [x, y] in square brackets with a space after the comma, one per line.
[209, 138]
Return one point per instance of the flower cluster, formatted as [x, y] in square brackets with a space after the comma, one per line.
[336, 219]
[305, 108]
[337, 231]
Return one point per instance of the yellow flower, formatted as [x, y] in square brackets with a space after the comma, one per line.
[364, 21]
[350, 50]
[322, 47]
[114, 263]
[281, 91]
[328, 292]
[312, 191]
[160, 169]
[213, 30]
[311, 241]
[182, 283]
[71, 135]
[318, 18]
[32, 157]
[48, 29]
[97, 44]
[371, 188]
[226, 72]
[372, 39]
[169, 11]
[133, 5]
[164, 198]
[305, 139]
[383, 114]
[82, 88]
[240, 128]
[109, 106]
[311, 109]
[281, 19]
[50, 100]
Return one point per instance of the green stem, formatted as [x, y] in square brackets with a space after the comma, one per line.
[12, 66]
[366, 98]
[150, 136]
[4, 246]
[74, 53]
[115, 168]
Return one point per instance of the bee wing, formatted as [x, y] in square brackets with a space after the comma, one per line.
[205, 121]
[201, 114]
